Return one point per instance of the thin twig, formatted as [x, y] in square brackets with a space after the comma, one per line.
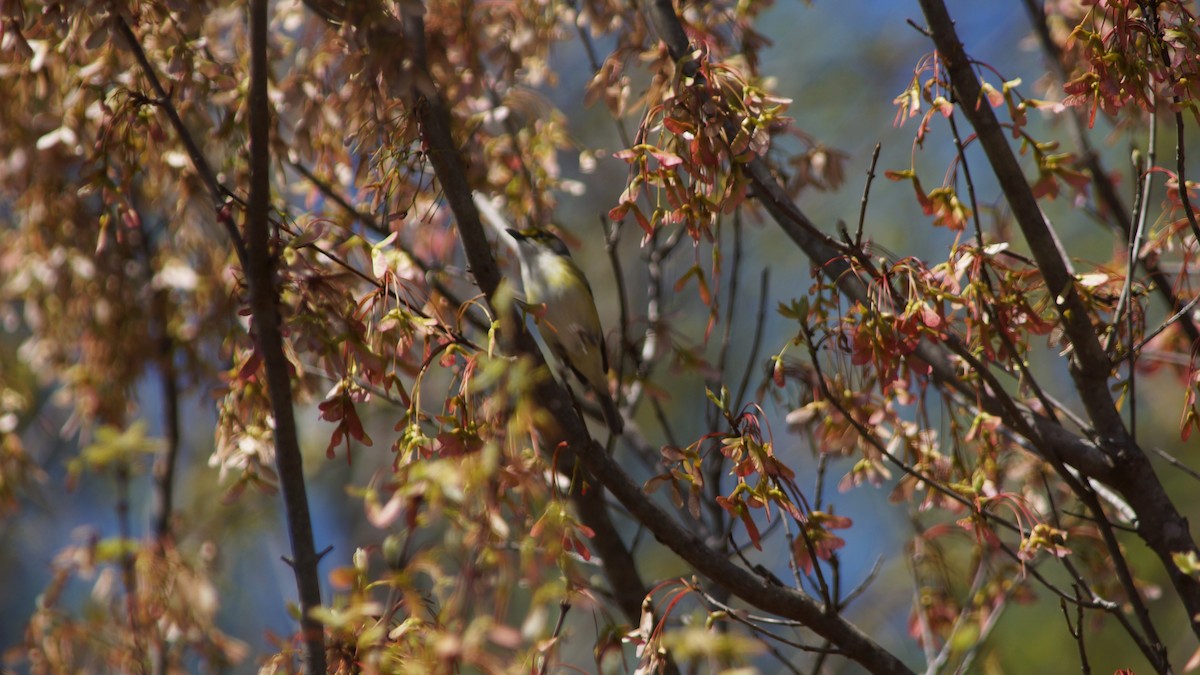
[1170, 459]
[217, 192]
[764, 286]
[326, 189]
[822, 468]
[1105, 191]
[1177, 316]
[1018, 362]
[612, 240]
[862, 211]
[563, 607]
[735, 270]
[751, 621]
[862, 586]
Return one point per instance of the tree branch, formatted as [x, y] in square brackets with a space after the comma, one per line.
[264, 304]
[216, 191]
[1159, 523]
[619, 565]
[1105, 192]
[448, 164]
[780, 600]
[830, 257]
[1115, 459]
[1089, 364]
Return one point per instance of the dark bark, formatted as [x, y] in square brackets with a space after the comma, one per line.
[788, 603]
[264, 304]
[1160, 525]
[619, 565]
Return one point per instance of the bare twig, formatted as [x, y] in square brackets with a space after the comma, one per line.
[735, 273]
[862, 585]
[1018, 361]
[1150, 14]
[862, 211]
[611, 242]
[1076, 632]
[831, 258]
[217, 192]
[373, 224]
[977, 582]
[1182, 314]
[1170, 459]
[563, 608]
[1081, 488]
[764, 286]
[751, 621]
[1089, 365]
[434, 117]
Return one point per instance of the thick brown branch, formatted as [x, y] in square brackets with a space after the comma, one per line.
[444, 155]
[1106, 192]
[264, 304]
[1090, 366]
[757, 591]
[619, 565]
[1160, 524]
[830, 257]
[1115, 460]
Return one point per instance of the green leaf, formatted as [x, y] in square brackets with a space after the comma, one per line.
[115, 447]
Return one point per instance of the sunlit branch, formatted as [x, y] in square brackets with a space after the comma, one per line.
[830, 257]
[870, 437]
[1089, 364]
[1161, 525]
[1080, 488]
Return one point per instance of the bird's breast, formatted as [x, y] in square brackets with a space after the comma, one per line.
[555, 278]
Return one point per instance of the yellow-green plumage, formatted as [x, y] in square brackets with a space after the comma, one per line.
[567, 320]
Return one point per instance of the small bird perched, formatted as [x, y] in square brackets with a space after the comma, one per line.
[569, 325]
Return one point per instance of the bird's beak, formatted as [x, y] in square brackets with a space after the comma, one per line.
[515, 234]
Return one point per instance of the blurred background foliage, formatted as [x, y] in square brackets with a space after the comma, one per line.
[842, 63]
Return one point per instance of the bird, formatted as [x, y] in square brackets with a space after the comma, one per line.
[569, 323]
